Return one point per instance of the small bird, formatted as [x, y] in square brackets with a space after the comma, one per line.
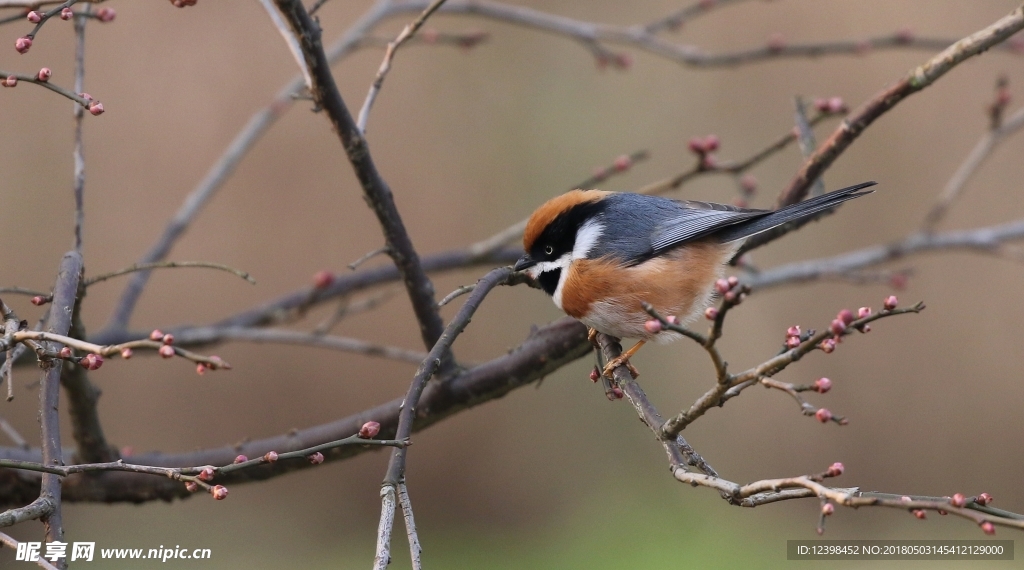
[600, 255]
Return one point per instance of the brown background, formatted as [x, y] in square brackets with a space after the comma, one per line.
[471, 142]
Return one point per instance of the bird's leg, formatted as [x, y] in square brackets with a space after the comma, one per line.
[592, 337]
[623, 359]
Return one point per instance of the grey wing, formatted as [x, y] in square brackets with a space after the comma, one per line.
[699, 219]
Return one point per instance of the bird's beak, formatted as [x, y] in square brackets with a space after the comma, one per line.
[525, 262]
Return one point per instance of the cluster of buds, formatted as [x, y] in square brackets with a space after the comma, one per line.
[166, 351]
[703, 148]
[830, 105]
[793, 335]
[731, 291]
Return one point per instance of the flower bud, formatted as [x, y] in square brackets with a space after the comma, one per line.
[653, 326]
[200, 369]
[822, 385]
[827, 509]
[39, 300]
[369, 430]
[44, 74]
[711, 313]
[156, 335]
[219, 492]
[323, 279]
[595, 374]
[34, 17]
[22, 44]
[988, 528]
[126, 353]
[983, 499]
[240, 459]
[167, 339]
[270, 456]
[890, 302]
[190, 486]
[166, 351]
[96, 108]
[827, 345]
[65, 352]
[672, 320]
[792, 342]
[958, 500]
[863, 312]
[823, 415]
[919, 513]
[836, 469]
[206, 474]
[316, 459]
[711, 143]
[66, 14]
[837, 327]
[622, 163]
[793, 331]
[846, 316]
[106, 14]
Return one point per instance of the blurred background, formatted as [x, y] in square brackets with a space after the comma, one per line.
[472, 141]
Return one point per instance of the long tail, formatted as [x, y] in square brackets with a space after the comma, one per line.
[795, 212]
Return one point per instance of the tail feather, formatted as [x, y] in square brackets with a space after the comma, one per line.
[794, 212]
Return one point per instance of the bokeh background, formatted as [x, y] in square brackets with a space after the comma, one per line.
[471, 141]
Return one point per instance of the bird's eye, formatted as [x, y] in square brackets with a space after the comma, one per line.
[548, 250]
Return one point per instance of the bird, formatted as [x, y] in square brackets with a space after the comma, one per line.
[601, 255]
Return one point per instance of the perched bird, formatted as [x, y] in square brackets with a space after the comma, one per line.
[601, 254]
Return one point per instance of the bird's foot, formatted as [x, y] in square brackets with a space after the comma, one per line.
[592, 337]
[621, 360]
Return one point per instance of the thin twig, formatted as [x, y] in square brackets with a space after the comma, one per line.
[280, 336]
[385, 66]
[79, 114]
[982, 150]
[167, 265]
[382, 557]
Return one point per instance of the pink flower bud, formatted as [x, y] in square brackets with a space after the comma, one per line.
[988, 528]
[190, 486]
[748, 183]
[85, 96]
[792, 341]
[156, 335]
[836, 105]
[827, 345]
[836, 469]
[653, 326]
[865, 329]
[672, 320]
[206, 474]
[822, 385]
[44, 74]
[733, 281]
[96, 108]
[65, 352]
[322, 279]
[793, 331]
[890, 302]
[823, 415]
[958, 500]
[66, 14]
[39, 300]
[615, 393]
[729, 297]
[22, 44]
[622, 163]
[696, 146]
[776, 43]
[270, 456]
[95, 362]
[942, 512]
[711, 143]
[863, 312]
[821, 105]
[904, 35]
[166, 351]
[827, 509]
[983, 499]
[106, 14]
[316, 459]
[126, 353]
[219, 492]
[168, 339]
[240, 459]
[837, 327]
[595, 374]
[905, 499]
[369, 429]
[35, 17]
[11, 81]
[919, 514]
[846, 316]
[711, 313]
[200, 369]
